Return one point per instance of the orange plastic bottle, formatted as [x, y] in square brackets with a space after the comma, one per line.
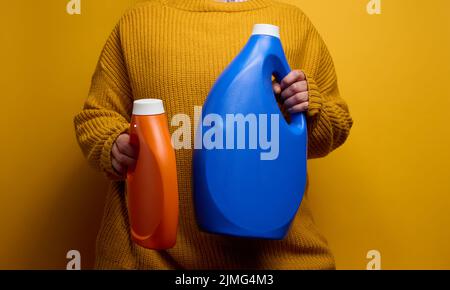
[152, 184]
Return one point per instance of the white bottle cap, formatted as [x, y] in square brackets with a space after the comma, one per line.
[148, 107]
[266, 29]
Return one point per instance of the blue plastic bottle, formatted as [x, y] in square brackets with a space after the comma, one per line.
[246, 191]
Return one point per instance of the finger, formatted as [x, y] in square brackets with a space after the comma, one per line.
[299, 108]
[296, 99]
[122, 158]
[124, 146]
[117, 167]
[292, 77]
[301, 75]
[297, 87]
[276, 88]
[114, 151]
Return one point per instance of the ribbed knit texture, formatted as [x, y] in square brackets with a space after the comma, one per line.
[175, 50]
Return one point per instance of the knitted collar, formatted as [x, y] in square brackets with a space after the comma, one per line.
[217, 5]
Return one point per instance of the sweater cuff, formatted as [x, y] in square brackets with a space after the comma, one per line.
[315, 98]
[105, 160]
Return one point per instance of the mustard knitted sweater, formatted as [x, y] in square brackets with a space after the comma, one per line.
[174, 50]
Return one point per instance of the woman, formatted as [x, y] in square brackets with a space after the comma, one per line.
[175, 50]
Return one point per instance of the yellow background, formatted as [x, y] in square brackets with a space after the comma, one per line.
[387, 189]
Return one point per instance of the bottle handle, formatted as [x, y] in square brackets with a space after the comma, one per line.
[282, 69]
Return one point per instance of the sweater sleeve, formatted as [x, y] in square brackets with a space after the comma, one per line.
[328, 117]
[106, 111]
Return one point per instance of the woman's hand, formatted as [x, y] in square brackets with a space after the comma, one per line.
[293, 92]
[123, 155]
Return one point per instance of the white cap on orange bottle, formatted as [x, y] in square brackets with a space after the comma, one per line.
[145, 107]
[266, 29]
